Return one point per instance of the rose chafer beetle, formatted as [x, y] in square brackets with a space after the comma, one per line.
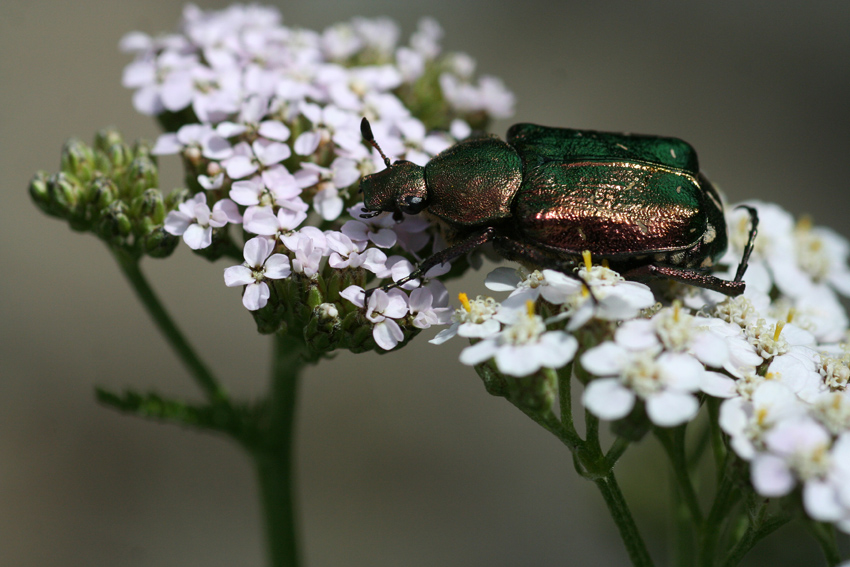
[548, 194]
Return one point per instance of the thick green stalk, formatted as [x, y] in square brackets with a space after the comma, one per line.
[273, 454]
[202, 375]
[752, 536]
[673, 441]
[623, 518]
[825, 536]
[724, 499]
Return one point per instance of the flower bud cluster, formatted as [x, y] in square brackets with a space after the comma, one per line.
[266, 119]
[109, 189]
[776, 357]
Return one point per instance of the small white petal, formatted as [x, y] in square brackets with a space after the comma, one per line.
[256, 296]
[354, 294]
[608, 399]
[277, 267]
[274, 130]
[607, 359]
[718, 385]
[821, 501]
[445, 335]
[637, 334]
[387, 334]
[257, 250]
[237, 275]
[771, 476]
[306, 143]
[502, 279]
[517, 360]
[671, 408]
[197, 236]
[240, 166]
[176, 223]
[478, 353]
[710, 349]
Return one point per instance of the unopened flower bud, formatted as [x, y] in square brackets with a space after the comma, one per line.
[176, 197]
[159, 244]
[327, 312]
[119, 156]
[100, 193]
[314, 297]
[142, 149]
[141, 175]
[115, 225]
[106, 138]
[77, 159]
[39, 192]
[64, 193]
[149, 206]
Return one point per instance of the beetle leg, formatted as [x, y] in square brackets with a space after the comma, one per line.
[443, 256]
[706, 281]
[751, 240]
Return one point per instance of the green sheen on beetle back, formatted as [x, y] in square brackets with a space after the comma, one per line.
[540, 144]
[612, 209]
[474, 182]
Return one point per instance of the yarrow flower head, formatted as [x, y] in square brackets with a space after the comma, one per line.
[267, 121]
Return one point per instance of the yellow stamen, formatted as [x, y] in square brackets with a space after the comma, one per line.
[464, 300]
[761, 415]
[529, 305]
[771, 376]
[584, 291]
[777, 330]
[805, 223]
[677, 307]
[605, 263]
[791, 313]
[586, 256]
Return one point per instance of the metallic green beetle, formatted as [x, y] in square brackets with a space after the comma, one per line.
[548, 194]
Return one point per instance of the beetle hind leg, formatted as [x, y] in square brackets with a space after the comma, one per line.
[751, 241]
[683, 275]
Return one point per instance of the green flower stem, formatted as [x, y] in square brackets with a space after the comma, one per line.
[718, 447]
[673, 441]
[592, 464]
[623, 518]
[752, 536]
[565, 402]
[682, 544]
[724, 499]
[618, 447]
[825, 536]
[202, 375]
[272, 451]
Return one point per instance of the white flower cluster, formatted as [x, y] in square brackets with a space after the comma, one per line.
[777, 355]
[267, 119]
[517, 337]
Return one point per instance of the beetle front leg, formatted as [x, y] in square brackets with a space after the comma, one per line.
[443, 256]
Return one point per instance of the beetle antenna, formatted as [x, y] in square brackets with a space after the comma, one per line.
[366, 131]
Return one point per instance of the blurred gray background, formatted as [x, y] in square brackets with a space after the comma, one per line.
[403, 459]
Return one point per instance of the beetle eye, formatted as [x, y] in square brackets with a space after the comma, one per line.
[412, 204]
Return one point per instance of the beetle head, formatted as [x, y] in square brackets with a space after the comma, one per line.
[399, 188]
